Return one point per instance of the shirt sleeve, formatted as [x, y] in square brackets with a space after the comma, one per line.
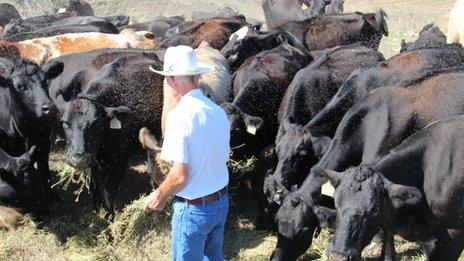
[175, 143]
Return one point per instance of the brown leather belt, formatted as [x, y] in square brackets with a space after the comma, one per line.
[207, 199]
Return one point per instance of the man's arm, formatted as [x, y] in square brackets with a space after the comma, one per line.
[175, 181]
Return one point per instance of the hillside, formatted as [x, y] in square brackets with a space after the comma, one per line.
[405, 18]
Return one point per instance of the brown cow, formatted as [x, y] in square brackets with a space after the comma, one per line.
[41, 50]
[214, 31]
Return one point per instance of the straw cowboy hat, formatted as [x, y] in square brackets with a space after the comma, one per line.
[181, 61]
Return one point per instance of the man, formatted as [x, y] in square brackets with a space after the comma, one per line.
[196, 141]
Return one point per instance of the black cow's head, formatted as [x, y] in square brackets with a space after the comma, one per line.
[237, 50]
[242, 125]
[299, 219]
[20, 184]
[296, 151]
[365, 201]
[27, 85]
[85, 121]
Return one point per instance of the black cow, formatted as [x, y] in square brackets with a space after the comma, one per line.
[26, 109]
[404, 69]
[21, 186]
[81, 68]
[308, 93]
[279, 12]
[102, 123]
[314, 86]
[259, 86]
[236, 51]
[158, 26]
[369, 130]
[7, 13]
[23, 30]
[118, 20]
[82, 8]
[387, 116]
[327, 31]
[415, 191]
[430, 35]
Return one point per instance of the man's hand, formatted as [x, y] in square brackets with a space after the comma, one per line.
[156, 201]
[175, 181]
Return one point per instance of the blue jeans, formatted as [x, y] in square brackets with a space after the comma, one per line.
[198, 230]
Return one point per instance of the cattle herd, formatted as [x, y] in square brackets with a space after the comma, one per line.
[343, 138]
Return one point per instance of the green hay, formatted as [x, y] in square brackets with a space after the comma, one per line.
[70, 175]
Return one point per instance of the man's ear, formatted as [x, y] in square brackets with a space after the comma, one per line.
[402, 196]
[326, 216]
[253, 124]
[116, 112]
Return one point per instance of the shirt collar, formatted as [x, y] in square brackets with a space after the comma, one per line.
[194, 93]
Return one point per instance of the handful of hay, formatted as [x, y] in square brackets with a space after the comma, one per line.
[135, 224]
[70, 175]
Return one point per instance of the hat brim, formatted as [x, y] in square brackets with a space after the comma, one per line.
[202, 68]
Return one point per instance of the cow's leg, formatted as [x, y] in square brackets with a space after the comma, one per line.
[111, 179]
[96, 185]
[448, 245]
[388, 247]
[42, 159]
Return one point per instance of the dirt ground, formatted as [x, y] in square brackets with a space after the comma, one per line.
[76, 232]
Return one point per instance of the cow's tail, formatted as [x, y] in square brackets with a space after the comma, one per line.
[10, 218]
[382, 23]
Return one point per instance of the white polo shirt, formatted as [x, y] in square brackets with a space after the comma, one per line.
[197, 134]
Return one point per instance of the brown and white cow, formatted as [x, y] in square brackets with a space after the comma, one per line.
[41, 50]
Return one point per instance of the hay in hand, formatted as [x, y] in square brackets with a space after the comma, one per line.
[135, 224]
[70, 175]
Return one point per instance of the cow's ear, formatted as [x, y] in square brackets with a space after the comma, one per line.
[326, 216]
[253, 124]
[403, 196]
[15, 164]
[117, 112]
[27, 159]
[53, 69]
[148, 140]
[333, 176]
[6, 161]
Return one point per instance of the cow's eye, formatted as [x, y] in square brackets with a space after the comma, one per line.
[21, 87]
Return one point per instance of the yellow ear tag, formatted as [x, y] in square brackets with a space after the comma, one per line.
[115, 124]
[251, 129]
[328, 189]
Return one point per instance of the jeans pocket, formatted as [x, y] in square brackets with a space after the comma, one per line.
[200, 222]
